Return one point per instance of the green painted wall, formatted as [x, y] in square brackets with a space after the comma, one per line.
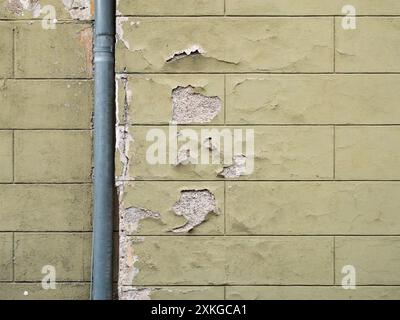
[45, 149]
[323, 103]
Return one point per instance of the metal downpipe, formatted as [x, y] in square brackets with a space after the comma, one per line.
[104, 142]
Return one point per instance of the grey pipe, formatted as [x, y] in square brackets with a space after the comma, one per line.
[104, 142]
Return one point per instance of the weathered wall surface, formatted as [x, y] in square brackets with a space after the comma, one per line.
[45, 147]
[323, 103]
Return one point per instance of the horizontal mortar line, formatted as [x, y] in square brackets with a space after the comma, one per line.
[261, 235]
[39, 183]
[57, 282]
[255, 285]
[206, 125]
[244, 16]
[54, 79]
[258, 180]
[258, 73]
[39, 282]
[50, 79]
[172, 285]
[47, 129]
[116, 231]
[50, 231]
[263, 125]
[59, 21]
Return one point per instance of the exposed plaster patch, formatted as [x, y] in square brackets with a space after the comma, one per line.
[132, 293]
[123, 137]
[183, 157]
[79, 9]
[192, 51]
[189, 106]
[194, 205]
[128, 221]
[18, 7]
[120, 31]
[86, 41]
[123, 140]
[131, 217]
[127, 260]
[237, 169]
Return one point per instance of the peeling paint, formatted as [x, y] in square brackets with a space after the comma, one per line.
[189, 106]
[79, 9]
[237, 169]
[132, 293]
[127, 260]
[192, 51]
[18, 7]
[131, 217]
[123, 137]
[120, 31]
[194, 206]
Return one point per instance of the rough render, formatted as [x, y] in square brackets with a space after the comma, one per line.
[194, 205]
[192, 107]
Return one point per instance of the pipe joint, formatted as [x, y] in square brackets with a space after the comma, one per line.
[104, 44]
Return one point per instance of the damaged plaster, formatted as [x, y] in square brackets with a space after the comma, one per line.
[128, 219]
[192, 51]
[189, 106]
[120, 31]
[156, 45]
[123, 137]
[131, 217]
[132, 293]
[194, 206]
[237, 169]
[184, 157]
[127, 259]
[18, 7]
[79, 9]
